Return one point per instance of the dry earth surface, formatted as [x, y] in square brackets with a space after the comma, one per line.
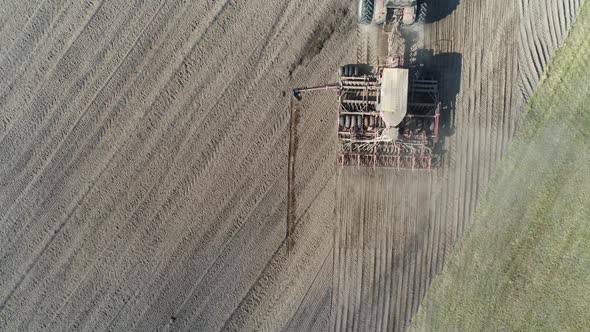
[143, 162]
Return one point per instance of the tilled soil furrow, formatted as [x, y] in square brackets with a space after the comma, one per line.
[86, 150]
[311, 314]
[109, 78]
[175, 255]
[14, 16]
[377, 255]
[255, 314]
[254, 148]
[13, 88]
[425, 231]
[47, 64]
[48, 19]
[386, 312]
[94, 105]
[74, 129]
[544, 26]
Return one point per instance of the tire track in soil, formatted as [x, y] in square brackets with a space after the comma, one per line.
[368, 44]
[15, 19]
[49, 151]
[251, 311]
[9, 117]
[33, 34]
[103, 88]
[63, 108]
[42, 69]
[317, 296]
[98, 139]
[274, 279]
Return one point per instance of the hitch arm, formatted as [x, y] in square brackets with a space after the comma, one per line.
[298, 91]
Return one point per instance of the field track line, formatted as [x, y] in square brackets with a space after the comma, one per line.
[141, 203]
[203, 170]
[43, 34]
[8, 123]
[313, 282]
[109, 78]
[27, 23]
[71, 41]
[138, 291]
[133, 45]
[31, 265]
[277, 252]
[217, 257]
[93, 182]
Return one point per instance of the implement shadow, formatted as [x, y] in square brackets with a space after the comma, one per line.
[446, 68]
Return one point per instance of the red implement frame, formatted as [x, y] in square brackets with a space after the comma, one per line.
[359, 125]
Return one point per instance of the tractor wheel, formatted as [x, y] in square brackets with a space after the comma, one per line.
[422, 12]
[366, 8]
[344, 71]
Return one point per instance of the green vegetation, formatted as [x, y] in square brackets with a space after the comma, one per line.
[525, 263]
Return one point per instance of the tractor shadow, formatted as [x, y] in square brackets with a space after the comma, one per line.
[437, 10]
